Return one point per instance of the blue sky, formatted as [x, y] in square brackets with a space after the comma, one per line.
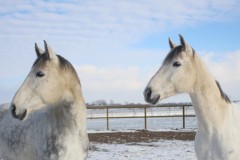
[116, 46]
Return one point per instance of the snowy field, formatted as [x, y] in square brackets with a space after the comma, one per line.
[158, 123]
[138, 123]
[160, 150]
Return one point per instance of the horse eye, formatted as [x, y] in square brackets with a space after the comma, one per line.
[176, 64]
[39, 74]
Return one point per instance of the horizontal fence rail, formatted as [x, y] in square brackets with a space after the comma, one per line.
[143, 107]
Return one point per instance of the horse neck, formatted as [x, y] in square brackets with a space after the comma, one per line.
[79, 109]
[70, 113]
[209, 106]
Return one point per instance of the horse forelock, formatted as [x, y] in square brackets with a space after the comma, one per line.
[175, 52]
[64, 64]
[40, 61]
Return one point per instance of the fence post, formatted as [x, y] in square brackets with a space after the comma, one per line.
[145, 117]
[183, 111]
[107, 118]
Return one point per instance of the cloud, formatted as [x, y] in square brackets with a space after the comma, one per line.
[97, 26]
[122, 83]
[101, 22]
[92, 25]
[127, 83]
[101, 79]
[226, 70]
[90, 32]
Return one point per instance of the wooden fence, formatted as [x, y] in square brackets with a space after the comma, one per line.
[144, 108]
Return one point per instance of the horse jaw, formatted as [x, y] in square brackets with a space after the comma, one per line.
[159, 87]
[21, 111]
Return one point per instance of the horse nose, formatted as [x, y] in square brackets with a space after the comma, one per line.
[13, 109]
[17, 115]
[149, 98]
[147, 94]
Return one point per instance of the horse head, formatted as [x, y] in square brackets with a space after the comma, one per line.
[51, 82]
[176, 75]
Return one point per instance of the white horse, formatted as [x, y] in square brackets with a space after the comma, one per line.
[218, 119]
[49, 114]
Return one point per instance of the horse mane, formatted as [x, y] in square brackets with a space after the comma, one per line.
[223, 95]
[175, 52]
[64, 64]
[40, 61]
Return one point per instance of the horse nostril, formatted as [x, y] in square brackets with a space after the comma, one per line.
[148, 93]
[13, 108]
[18, 116]
[149, 97]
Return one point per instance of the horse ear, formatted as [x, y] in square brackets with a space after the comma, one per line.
[171, 44]
[48, 51]
[38, 51]
[183, 42]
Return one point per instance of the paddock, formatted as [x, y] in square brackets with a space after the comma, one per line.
[142, 145]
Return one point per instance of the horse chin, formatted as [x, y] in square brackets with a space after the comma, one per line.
[167, 95]
[22, 116]
[154, 100]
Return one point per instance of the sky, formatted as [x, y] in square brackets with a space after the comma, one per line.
[117, 45]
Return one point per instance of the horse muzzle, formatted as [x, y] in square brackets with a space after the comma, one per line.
[18, 114]
[149, 98]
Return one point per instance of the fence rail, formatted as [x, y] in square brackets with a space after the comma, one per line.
[144, 107]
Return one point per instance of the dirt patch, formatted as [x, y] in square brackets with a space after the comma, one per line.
[139, 136]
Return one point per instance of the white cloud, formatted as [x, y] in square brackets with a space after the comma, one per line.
[108, 83]
[116, 78]
[226, 70]
[118, 22]
[93, 24]
[90, 30]
[127, 84]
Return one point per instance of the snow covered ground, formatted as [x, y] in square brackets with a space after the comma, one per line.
[138, 123]
[160, 150]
